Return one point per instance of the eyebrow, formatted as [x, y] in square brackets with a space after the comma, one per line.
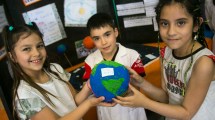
[176, 19]
[182, 19]
[27, 45]
[107, 32]
[103, 34]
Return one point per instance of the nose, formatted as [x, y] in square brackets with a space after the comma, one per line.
[171, 30]
[35, 52]
[103, 41]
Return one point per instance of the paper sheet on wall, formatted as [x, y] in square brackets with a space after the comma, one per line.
[81, 50]
[150, 11]
[3, 19]
[150, 7]
[150, 2]
[48, 21]
[137, 21]
[130, 8]
[131, 11]
[77, 12]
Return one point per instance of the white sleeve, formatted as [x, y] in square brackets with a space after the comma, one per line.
[134, 55]
[27, 104]
[28, 107]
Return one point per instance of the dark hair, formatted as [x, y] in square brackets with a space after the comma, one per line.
[214, 2]
[193, 8]
[11, 35]
[99, 20]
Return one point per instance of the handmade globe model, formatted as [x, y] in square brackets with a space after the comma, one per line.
[109, 79]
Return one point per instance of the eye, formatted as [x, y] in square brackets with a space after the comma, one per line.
[163, 24]
[26, 49]
[107, 34]
[95, 38]
[41, 46]
[181, 23]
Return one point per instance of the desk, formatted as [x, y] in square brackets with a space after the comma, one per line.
[3, 113]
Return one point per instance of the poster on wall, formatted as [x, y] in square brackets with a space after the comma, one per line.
[150, 11]
[130, 8]
[48, 21]
[81, 50]
[3, 19]
[77, 12]
[29, 2]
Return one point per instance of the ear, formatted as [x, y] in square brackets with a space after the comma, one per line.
[198, 24]
[116, 32]
[11, 56]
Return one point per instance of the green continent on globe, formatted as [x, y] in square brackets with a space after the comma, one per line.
[112, 85]
[108, 63]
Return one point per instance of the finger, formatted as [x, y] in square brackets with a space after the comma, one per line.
[107, 104]
[100, 99]
[88, 84]
[124, 99]
[132, 88]
[121, 102]
[116, 100]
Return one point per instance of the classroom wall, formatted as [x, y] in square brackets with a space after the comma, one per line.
[15, 8]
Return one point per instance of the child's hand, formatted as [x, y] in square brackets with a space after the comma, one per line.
[136, 79]
[137, 99]
[98, 102]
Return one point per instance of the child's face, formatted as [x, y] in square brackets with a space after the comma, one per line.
[176, 26]
[30, 53]
[105, 39]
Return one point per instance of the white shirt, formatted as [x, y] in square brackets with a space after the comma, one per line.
[32, 100]
[127, 57]
[174, 69]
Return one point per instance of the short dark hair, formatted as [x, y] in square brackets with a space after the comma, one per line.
[99, 20]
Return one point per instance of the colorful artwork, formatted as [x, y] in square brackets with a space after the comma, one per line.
[77, 12]
[109, 79]
[48, 21]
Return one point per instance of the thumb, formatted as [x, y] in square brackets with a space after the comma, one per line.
[100, 99]
[133, 89]
[88, 85]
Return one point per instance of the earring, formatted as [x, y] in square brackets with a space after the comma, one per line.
[196, 37]
[158, 37]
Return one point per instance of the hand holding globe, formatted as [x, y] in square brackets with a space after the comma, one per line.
[109, 79]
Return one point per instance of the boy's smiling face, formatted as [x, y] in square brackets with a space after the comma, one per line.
[105, 39]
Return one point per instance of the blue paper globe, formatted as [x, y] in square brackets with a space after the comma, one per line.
[61, 48]
[109, 79]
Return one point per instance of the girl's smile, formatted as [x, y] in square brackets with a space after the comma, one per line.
[30, 53]
[176, 27]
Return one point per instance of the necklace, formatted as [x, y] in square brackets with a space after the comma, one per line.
[185, 74]
[171, 67]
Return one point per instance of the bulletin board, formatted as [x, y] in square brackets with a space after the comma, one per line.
[73, 34]
[135, 20]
